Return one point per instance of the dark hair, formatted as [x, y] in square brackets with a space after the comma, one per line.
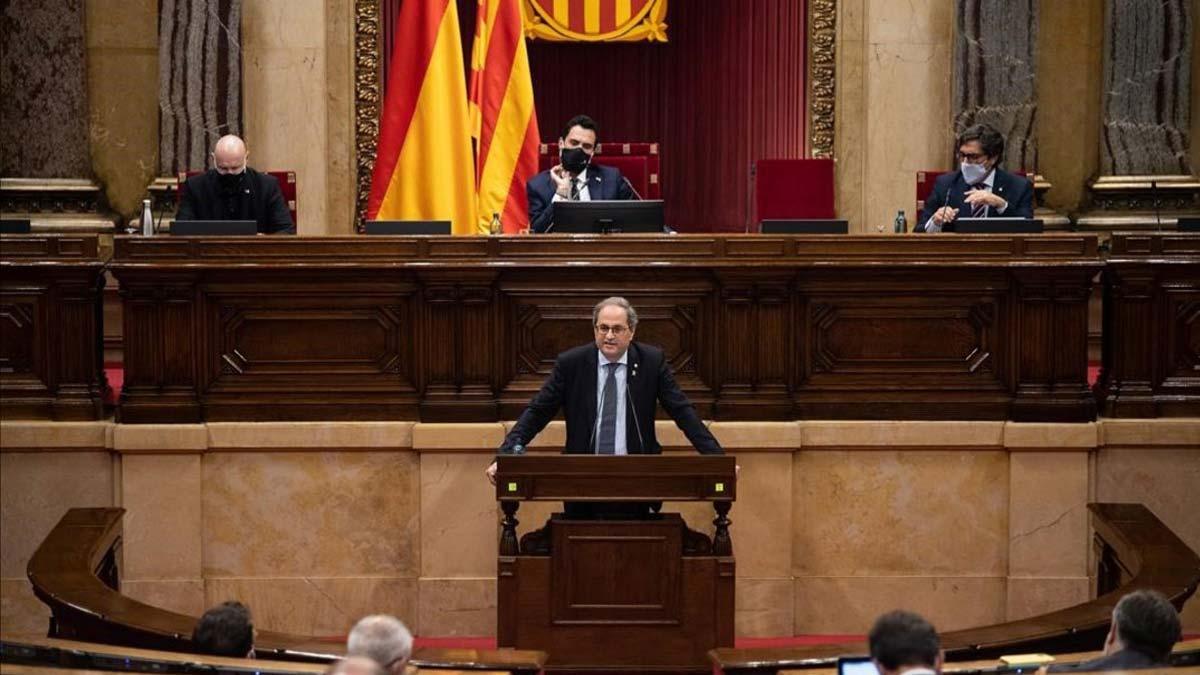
[1147, 622]
[580, 121]
[902, 638]
[224, 630]
[989, 139]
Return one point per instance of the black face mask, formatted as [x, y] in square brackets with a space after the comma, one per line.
[574, 160]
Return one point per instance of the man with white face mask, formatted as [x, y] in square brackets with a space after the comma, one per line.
[979, 188]
[231, 190]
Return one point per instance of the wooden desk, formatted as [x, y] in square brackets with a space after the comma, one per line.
[1151, 336]
[466, 329]
[75, 572]
[50, 354]
[1135, 551]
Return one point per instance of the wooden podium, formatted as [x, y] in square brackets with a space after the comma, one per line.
[645, 594]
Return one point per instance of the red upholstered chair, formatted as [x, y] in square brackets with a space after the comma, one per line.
[639, 163]
[925, 180]
[287, 185]
[793, 188]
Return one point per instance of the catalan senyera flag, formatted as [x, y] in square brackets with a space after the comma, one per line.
[423, 168]
[503, 119]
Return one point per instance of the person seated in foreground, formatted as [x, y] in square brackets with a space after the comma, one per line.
[979, 188]
[225, 630]
[355, 665]
[383, 639]
[904, 643]
[231, 190]
[574, 178]
[1145, 626]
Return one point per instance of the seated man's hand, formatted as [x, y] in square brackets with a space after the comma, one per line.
[978, 197]
[491, 473]
[945, 215]
[562, 181]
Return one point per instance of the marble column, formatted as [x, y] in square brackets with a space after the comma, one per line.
[43, 112]
[200, 79]
[995, 73]
[1147, 85]
[1145, 145]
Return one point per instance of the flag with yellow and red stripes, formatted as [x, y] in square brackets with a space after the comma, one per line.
[503, 120]
[423, 168]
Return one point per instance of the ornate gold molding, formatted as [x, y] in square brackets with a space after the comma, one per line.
[367, 98]
[822, 76]
[647, 23]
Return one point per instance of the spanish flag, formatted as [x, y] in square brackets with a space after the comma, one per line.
[423, 168]
[503, 120]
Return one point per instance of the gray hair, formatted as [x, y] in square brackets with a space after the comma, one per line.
[356, 665]
[616, 301]
[382, 638]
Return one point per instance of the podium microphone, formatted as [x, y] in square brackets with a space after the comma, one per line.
[631, 188]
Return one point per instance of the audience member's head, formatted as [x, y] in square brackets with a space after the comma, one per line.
[901, 641]
[356, 665]
[383, 639]
[225, 630]
[1144, 621]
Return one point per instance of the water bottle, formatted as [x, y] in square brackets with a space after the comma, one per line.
[497, 228]
[900, 226]
[147, 219]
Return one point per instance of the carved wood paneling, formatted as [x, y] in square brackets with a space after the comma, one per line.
[1151, 331]
[50, 350]
[445, 329]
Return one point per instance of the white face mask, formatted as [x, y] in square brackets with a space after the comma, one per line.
[974, 173]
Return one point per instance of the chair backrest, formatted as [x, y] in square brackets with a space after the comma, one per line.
[925, 181]
[639, 162]
[793, 189]
[287, 185]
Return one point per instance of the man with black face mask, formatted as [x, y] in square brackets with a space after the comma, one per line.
[979, 189]
[575, 177]
[231, 190]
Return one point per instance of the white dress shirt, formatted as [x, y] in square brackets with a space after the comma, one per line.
[932, 226]
[584, 196]
[601, 376]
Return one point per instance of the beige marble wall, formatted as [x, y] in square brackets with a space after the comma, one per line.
[1160, 469]
[285, 99]
[37, 486]
[315, 524]
[122, 82]
[893, 115]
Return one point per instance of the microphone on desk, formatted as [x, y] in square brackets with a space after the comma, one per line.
[631, 188]
[1154, 196]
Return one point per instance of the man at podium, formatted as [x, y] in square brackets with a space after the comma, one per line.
[608, 391]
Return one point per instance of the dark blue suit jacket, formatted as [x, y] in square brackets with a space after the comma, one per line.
[604, 182]
[571, 388]
[951, 190]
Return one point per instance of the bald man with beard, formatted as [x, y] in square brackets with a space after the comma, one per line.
[231, 190]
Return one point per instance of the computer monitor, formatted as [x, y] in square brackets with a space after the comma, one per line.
[222, 228]
[427, 227]
[608, 217]
[1188, 224]
[856, 665]
[15, 226]
[998, 226]
[804, 226]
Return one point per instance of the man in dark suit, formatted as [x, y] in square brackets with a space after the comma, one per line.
[608, 391]
[574, 178]
[233, 191]
[1144, 629]
[979, 188]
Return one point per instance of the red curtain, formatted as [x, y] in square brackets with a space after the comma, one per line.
[727, 89]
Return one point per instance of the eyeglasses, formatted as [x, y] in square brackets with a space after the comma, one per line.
[618, 331]
[973, 157]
